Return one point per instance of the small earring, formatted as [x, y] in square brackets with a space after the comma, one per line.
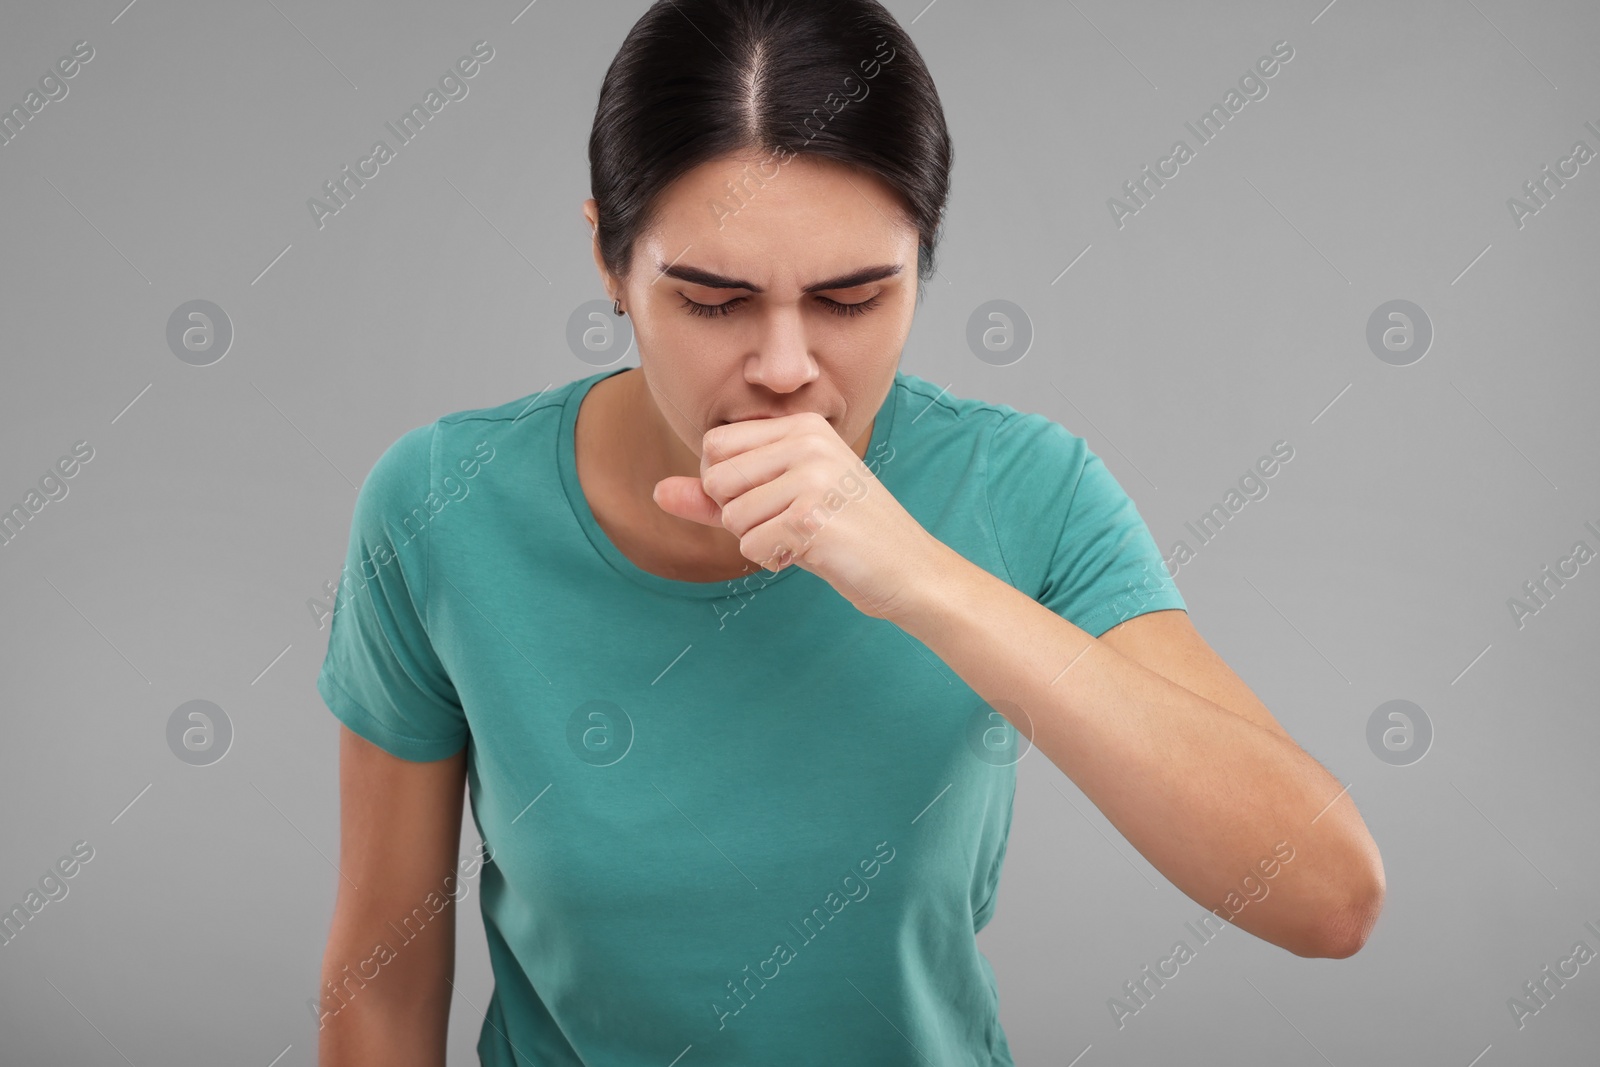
[616, 306]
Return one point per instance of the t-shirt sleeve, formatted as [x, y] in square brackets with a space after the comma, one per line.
[1069, 535]
[381, 675]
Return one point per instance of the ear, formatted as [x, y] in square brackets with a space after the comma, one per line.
[591, 216]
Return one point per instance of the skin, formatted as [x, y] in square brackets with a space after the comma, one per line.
[1162, 736]
[780, 351]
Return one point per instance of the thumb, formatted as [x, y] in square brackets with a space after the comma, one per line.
[685, 498]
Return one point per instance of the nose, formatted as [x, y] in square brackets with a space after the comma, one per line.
[782, 360]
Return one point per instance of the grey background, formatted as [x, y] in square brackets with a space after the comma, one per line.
[1231, 312]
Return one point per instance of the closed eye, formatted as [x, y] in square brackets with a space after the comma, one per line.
[727, 307]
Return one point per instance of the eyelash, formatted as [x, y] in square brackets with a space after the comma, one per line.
[726, 308]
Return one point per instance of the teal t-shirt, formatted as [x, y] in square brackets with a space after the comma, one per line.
[735, 822]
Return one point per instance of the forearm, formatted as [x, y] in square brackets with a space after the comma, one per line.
[1202, 793]
[380, 1034]
[397, 1018]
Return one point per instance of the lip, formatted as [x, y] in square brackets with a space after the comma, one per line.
[748, 418]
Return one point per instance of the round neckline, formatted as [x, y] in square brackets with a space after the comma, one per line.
[567, 462]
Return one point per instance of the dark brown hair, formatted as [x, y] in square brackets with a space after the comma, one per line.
[698, 80]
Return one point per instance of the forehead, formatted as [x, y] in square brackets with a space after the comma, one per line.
[785, 224]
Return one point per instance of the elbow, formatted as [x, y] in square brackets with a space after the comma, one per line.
[1344, 934]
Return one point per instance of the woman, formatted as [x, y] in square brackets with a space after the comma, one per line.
[729, 647]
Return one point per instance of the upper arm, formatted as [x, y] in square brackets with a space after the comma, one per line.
[402, 776]
[399, 835]
[1069, 535]
[1074, 539]
[383, 676]
[1167, 643]
[399, 823]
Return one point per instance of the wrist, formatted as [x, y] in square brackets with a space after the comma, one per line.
[935, 590]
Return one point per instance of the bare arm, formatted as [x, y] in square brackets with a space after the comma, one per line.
[1170, 744]
[400, 831]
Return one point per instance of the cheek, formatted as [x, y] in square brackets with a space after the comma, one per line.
[874, 342]
[681, 377]
[667, 347]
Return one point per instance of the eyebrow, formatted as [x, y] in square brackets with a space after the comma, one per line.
[711, 280]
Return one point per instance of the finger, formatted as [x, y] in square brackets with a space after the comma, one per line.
[684, 498]
[762, 504]
[733, 477]
[730, 439]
